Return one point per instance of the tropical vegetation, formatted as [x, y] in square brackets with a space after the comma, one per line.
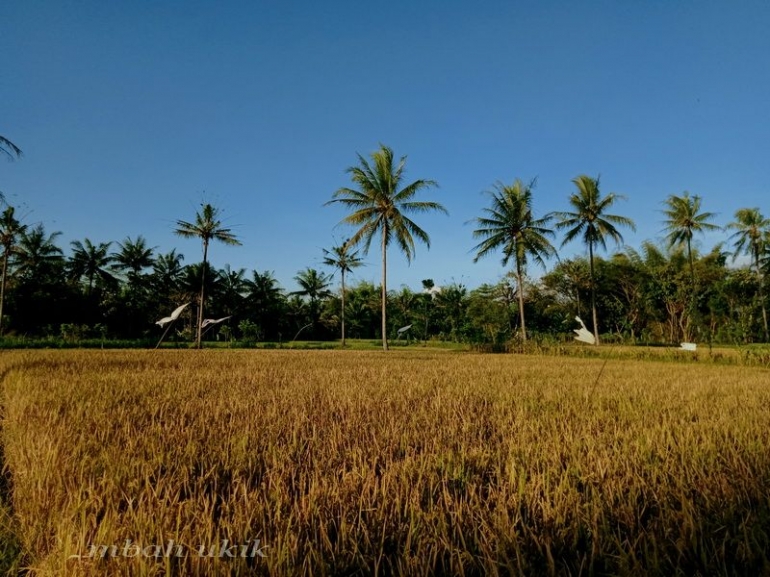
[115, 290]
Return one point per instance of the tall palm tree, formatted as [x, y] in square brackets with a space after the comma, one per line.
[752, 230]
[167, 271]
[341, 258]
[37, 253]
[10, 231]
[91, 261]
[590, 221]
[764, 260]
[233, 289]
[683, 219]
[315, 286]
[207, 227]
[190, 286]
[262, 290]
[510, 225]
[380, 205]
[133, 257]
[9, 149]
[266, 303]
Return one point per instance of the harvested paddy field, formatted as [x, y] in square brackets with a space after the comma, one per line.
[359, 463]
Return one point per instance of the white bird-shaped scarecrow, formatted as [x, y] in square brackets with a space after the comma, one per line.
[208, 323]
[582, 333]
[211, 322]
[170, 319]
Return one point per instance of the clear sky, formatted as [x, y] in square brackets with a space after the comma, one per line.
[132, 113]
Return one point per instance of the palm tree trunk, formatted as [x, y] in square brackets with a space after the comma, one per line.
[198, 342]
[521, 300]
[593, 292]
[690, 313]
[577, 296]
[2, 289]
[760, 293]
[384, 291]
[342, 315]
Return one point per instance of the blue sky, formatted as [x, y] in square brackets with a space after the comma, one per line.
[132, 113]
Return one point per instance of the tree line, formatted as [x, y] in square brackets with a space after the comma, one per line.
[666, 294]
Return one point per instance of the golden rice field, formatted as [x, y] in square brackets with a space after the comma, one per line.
[364, 463]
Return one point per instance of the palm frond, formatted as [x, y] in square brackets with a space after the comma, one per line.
[9, 149]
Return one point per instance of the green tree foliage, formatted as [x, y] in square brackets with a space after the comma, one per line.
[133, 257]
[362, 309]
[489, 314]
[167, 271]
[314, 286]
[10, 231]
[451, 304]
[131, 261]
[232, 290]
[36, 255]
[266, 305]
[751, 237]
[91, 262]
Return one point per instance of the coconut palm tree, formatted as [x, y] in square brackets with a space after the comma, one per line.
[752, 231]
[10, 231]
[315, 286]
[207, 227]
[341, 257]
[683, 219]
[380, 206]
[37, 253]
[232, 290]
[266, 303]
[38, 267]
[91, 261]
[165, 279]
[510, 225]
[190, 286]
[589, 220]
[133, 257]
[262, 291]
[9, 149]
[764, 260]
[167, 270]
